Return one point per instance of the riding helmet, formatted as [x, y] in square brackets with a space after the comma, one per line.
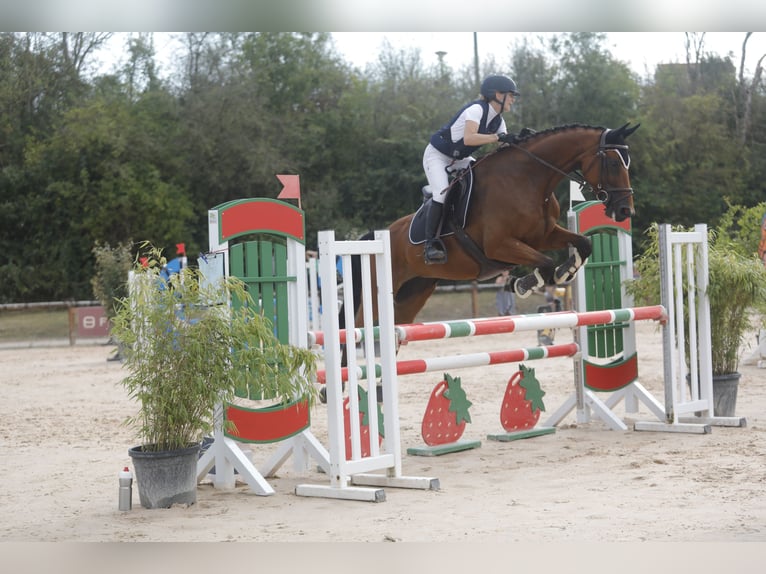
[497, 83]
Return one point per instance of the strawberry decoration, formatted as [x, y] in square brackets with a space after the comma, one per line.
[446, 413]
[364, 424]
[522, 401]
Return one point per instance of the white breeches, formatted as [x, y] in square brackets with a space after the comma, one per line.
[436, 165]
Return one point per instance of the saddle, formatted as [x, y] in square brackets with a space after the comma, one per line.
[455, 208]
[453, 222]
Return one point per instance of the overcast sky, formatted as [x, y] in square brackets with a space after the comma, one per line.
[642, 50]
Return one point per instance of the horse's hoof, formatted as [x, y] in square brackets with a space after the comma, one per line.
[523, 293]
[565, 277]
[515, 285]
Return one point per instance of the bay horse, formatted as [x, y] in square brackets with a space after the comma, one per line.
[512, 217]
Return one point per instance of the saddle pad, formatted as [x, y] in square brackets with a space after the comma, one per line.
[456, 211]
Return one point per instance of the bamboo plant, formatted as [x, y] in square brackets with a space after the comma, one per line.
[186, 350]
[736, 287]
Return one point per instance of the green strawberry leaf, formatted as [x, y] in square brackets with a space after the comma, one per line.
[365, 411]
[533, 393]
[458, 402]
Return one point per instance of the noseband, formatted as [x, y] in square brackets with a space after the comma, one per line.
[602, 192]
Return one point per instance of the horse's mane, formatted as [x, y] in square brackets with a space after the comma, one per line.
[544, 133]
[556, 129]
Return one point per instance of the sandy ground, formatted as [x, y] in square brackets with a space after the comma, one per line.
[62, 444]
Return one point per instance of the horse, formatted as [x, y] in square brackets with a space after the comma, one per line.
[502, 213]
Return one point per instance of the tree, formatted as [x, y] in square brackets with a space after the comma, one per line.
[540, 102]
[747, 88]
[591, 85]
[88, 158]
[684, 161]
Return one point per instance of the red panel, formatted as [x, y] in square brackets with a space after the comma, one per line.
[270, 424]
[91, 321]
[594, 216]
[261, 216]
[611, 377]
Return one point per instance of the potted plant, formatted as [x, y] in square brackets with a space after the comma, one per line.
[736, 286]
[188, 347]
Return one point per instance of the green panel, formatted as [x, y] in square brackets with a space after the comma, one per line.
[262, 265]
[592, 292]
[603, 292]
[237, 266]
[440, 449]
[252, 272]
[607, 292]
[517, 435]
[282, 322]
[237, 260]
[616, 293]
[265, 249]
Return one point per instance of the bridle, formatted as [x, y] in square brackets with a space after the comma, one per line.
[602, 192]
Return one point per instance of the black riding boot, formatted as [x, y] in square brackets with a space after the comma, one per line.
[434, 252]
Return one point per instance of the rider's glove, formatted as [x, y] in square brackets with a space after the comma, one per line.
[507, 138]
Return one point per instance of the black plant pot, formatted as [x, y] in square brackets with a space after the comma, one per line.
[725, 394]
[166, 478]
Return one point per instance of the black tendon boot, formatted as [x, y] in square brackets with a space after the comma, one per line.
[434, 252]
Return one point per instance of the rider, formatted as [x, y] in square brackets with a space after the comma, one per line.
[478, 123]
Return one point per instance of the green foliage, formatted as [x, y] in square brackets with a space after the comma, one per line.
[88, 158]
[592, 87]
[110, 283]
[736, 288]
[740, 228]
[185, 354]
[737, 284]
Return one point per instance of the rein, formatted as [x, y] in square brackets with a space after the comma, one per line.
[601, 192]
[577, 177]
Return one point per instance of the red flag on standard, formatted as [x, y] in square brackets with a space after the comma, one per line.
[292, 187]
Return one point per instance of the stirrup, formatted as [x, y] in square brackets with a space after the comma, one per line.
[434, 252]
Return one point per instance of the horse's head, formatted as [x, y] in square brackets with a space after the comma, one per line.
[608, 173]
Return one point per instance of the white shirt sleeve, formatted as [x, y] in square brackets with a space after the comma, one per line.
[472, 113]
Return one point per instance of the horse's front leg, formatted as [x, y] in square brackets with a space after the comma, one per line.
[581, 250]
[523, 286]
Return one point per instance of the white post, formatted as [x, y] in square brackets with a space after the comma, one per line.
[686, 337]
[349, 475]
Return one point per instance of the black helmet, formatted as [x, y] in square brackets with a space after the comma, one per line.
[502, 84]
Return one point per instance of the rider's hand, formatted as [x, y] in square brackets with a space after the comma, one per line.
[507, 138]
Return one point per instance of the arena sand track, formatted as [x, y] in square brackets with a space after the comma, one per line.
[63, 444]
